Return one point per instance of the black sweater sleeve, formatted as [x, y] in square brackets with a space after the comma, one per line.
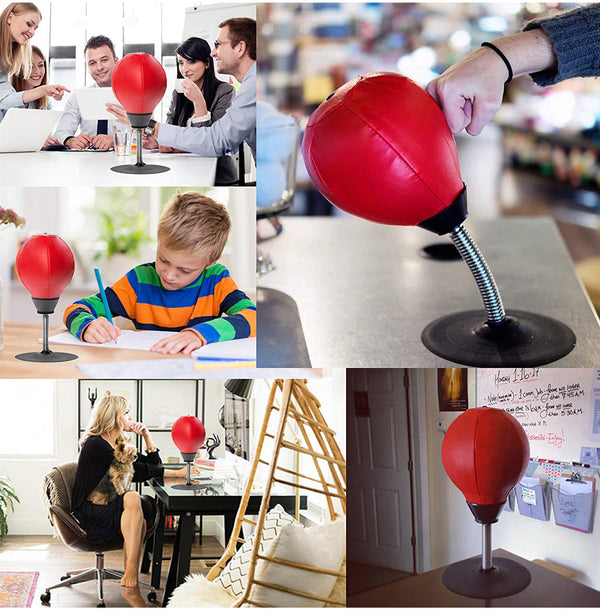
[147, 466]
[576, 44]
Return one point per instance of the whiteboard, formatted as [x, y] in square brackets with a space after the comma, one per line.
[558, 408]
[203, 21]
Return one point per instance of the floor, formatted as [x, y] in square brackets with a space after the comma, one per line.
[52, 559]
[363, 577]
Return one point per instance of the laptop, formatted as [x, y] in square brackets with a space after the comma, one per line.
[26, 129]
[92, 102]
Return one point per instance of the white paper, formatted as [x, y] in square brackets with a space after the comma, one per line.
[128, 340]
[528, 495]
[92, 102]
[242, 349]
[575, 488]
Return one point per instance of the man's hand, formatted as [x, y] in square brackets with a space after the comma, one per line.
[119, 112]
[185, 341]
[149, 142]
[470, 91]
[81, 141]
[50, 141]
[103, 141]
[100, 331]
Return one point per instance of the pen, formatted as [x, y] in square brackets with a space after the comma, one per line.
[103, 296]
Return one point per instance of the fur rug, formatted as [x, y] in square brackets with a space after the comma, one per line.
[197, 591]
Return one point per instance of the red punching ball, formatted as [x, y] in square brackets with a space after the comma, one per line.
[139, 82]
[188, 434]
[485, 453]
[45, 266]
[380, 148]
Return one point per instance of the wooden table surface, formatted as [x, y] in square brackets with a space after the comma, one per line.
[547, 589]
[23, 337]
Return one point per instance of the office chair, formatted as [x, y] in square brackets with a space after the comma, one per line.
[58, 486]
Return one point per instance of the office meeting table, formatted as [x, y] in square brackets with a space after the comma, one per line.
[86, 168]
[211, 498]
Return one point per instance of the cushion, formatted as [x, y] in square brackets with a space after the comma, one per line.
[322, 546]
[339, 590]
[197, 591]
[234, 576]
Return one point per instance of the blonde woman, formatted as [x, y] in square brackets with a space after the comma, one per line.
[102, 501]
[18, 23]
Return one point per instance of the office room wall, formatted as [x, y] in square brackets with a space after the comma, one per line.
[454, 535]
[26, 474]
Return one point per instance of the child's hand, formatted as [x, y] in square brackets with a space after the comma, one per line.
[185, 341]
[100, 331]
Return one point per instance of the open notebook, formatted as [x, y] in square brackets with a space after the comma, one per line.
[239, 349]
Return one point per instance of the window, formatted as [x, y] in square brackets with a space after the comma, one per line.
[28, 418]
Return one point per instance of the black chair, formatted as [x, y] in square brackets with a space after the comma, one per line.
[58, 486]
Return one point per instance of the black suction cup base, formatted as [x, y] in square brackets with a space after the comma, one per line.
[524, 340]
[191, 486]
[46, 356]
[504, 579]
[441, 251]
[140, 169]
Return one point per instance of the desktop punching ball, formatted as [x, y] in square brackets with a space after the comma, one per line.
[485, 453]
[45, 266]
[188, 434]
[139, 82]
[380, 148]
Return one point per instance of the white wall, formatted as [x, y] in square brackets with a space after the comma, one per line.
[454, 534]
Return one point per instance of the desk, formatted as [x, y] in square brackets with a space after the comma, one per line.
[547, 589]
[213, 500]
[364, 291]
[23, 337]
[60, 168]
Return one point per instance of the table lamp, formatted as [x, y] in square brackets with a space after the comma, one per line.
[188, 434]
[485, 453]
[45, 266]
[380, 148]
[139, 82]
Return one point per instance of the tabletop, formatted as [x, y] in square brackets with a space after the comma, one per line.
[85, 168]
[220, 495]
[547, 589]
[23, 337]
[365, 291]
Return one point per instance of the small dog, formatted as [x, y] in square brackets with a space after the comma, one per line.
[117, 480]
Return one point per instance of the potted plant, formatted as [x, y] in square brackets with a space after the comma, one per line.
[122, 231]
[8, 496]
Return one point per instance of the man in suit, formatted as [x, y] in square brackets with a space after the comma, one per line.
[100, 59]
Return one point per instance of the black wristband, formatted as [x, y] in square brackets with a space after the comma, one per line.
[503, 58]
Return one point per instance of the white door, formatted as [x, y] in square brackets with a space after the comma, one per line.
[379, 496]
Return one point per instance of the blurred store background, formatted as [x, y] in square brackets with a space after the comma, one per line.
[541, 155]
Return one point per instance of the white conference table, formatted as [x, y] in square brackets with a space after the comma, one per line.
[86, 168]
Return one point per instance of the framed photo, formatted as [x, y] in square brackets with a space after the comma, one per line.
[453, 389]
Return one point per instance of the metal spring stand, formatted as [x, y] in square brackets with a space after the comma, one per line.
[519, 339]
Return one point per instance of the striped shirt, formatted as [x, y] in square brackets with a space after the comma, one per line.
[212, 306]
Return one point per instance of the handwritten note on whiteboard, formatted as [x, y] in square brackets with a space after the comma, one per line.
[554, 406]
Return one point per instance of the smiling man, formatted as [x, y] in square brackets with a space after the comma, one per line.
[100, 59]
[235, 54]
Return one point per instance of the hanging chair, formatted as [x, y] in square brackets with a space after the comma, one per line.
[282, 563]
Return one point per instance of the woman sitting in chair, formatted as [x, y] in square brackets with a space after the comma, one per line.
[102, 502]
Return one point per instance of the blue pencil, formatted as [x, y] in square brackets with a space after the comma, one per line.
[215, 359]
[103, 296]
